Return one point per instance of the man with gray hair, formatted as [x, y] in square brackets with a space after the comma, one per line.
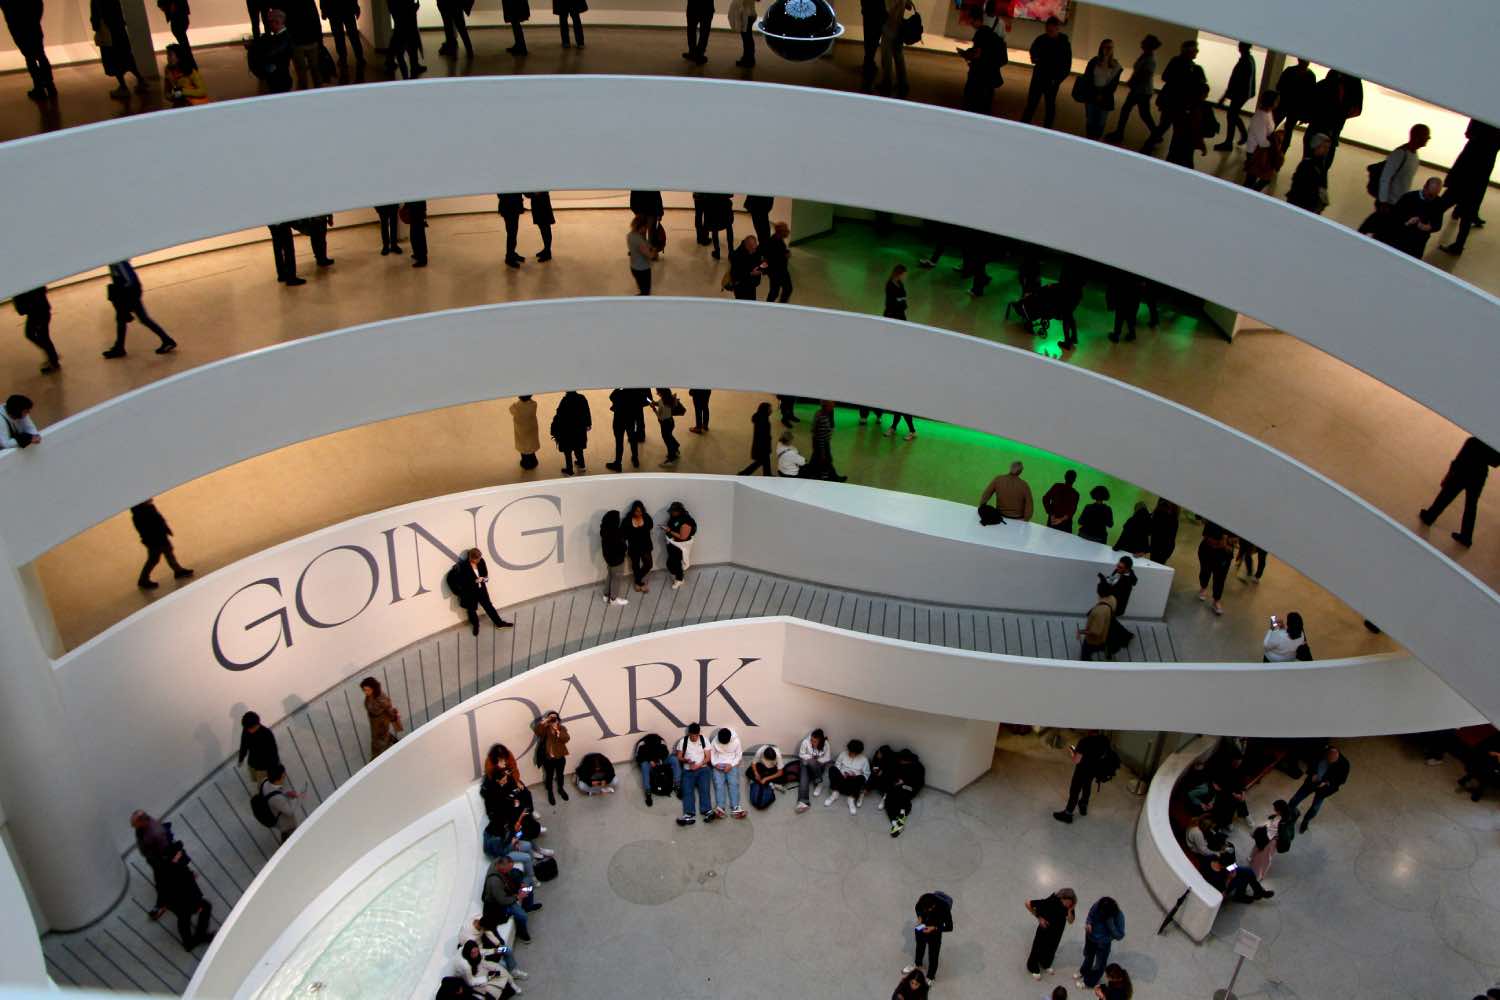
[1012, 495]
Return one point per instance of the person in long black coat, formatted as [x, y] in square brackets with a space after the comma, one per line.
[24, 19]
[510, 208]
[718, 214]
[1164, 522]
[760, 442]
[639, 543]
[565, 9]
[647, 204]
[515, 12]
[415, 213]
[544, 220]
[628, 424]
[1469, 178]
[1135, 535]
[405, 48]
[570, 429]
[115, 53]
[758, 206]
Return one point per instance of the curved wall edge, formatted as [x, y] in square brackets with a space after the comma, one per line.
[93, 465]
[1164, 865]
[755, 681]
[1352, 35]
[1158, 229]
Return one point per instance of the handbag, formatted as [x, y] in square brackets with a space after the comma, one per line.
[911, 29]
[1083, 87]
[102, 37]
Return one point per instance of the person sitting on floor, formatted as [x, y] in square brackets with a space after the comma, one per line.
[661, 771]
[763, 774]
[1237, 882]
[849, 775]
[484, 978]
[901, 780]
[596, 775]
[493, 947]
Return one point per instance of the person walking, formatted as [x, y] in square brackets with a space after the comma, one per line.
[570, 429]
[115, 52]
[1309, 187]
[37, 311]
[258, 751]
[566, 9]
[934, 919]
[385, 718]
[775, 253]
[1239, 89]
[1053, 915]
[414, 214]
[1467, 474]
[524, 430]
[718, 216]
[760, 441]
[1322, 782]
[700, 17]
[1263, 153]
[277, 794]
[1252, 560]
[745, 269]
[895, 293]
[1012, 494]
[1096, 89]
[469, 581]
[987, 57]
[177, 892]
[1139, 91]
[510, 206]
[1051, 64]
[666, 407]
[628, 425]
[455, 27]
[1190, 129]
[404, 50]
[1337, 98]
[639, 545]
[24, 19]
[821, 462]
[893, 49]
[343, 24]
[642, 253]
[700, 398]
[1468, 180]
[872, 14]
[1395, 175]
[390, 232]
[612, 547]
[127, 295]
[1093, 638]
[156, 535]
[1060, 502]
[515, 13]
[1165, 518]
[1295, 88]
[1215, 556]
[1104, 925]
[552, 754]
[543, 217]
[1092, 758]
[1182, 82]
[741, 16]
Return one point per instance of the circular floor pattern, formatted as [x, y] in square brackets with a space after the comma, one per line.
[1469, 926]
[1396, 878]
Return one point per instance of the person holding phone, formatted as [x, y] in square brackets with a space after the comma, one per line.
[1053, 915]
[552, 753]
[934, 919]
[693, 754]
[469, 579]
[1285, 641]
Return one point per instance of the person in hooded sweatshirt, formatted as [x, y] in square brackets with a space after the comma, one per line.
[849, 776]
[612, 544]
[724, 754]
[905, 779]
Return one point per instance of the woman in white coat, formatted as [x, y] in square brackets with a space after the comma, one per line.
[485, 977]
[742, 19]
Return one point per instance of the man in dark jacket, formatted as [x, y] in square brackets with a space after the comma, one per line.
[343, 23]
[506, 894]
[985, 57]
[776, 254]
[126, 294]
[1241, 88]
[38, 312]
[1061, 502]
[177, 890]
[758, 207]
[934, 919]
[1337, 98]
[306, 31]
[156, 535]
[257, 748]
[1181, 83]
[1051, 64]
[1469, 179]
[570, 429]
[628, 423]
[1294, 92]
[1467, 474]
[872, 16]
[469, 579]
[1413, 219]
[1325, 779]
[271, 53]
[1089, 756]
[24, 19]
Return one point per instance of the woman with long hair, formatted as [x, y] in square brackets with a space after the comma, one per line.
[385, 718]
[642, 253]
[1100, 78]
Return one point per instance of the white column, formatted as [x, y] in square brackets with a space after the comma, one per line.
[46, 786]
[140, 37]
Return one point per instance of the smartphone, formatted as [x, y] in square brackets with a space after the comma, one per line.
[1275, 622]
[1231, 868]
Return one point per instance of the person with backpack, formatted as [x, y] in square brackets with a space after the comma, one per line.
[1104, 926]
[127, 295]
[813, 757]
[1053, 915]
[661, 771]
[901, 780]
[763, 774]
[258, 751]
[612, 547]
[692, 755]
[570, 429]
[595, 775]
[986, 57]
[934, 919]
[1094, 760]
[1093, 637]
[37, 311]
[272, 805]
[849, 776]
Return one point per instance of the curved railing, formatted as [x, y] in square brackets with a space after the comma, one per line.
[1167, 870]
[94, 464]
[1351, 297]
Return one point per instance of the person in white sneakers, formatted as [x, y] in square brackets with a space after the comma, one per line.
[850, 774]
[484, 977]
[493, 947]
[692, 752]
[724, 755]
[814, 754]
[681, 530]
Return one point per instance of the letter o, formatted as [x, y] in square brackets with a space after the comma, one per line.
[369, 559]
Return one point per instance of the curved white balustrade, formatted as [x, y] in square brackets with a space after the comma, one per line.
[1356, 299]
[773, 679]
[1363, 37]
[1165, 866]
[95, 464]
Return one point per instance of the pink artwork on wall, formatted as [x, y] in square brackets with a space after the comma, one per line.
[1037, 10]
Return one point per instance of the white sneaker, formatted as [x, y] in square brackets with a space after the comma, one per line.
[543, 852]
[817, 789]
[832, 798]
[908, 970]
[881, 803]
[541, 831]
[853, 806]
[621, 601]
[1048, 970]
[911, 435]
[520, 974]
[676, 584]
[609, 790]
[802, 807]
[1078, 982]
[1036, 975]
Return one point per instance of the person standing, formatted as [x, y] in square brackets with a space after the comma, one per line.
[1104, 925]
[1322, 781]
[469, 580]
[1190, 129]
[1309, 187]
[1060, 502]
[775, 254]
[510, 208]
[1135, 534]
[543, 218]
[745, 269]
[1252, 558]
[1182, 83]
[1215, 555]
[642, 253]
[115, 53]
[1165, 518]
[306, 31]
[455, 27]
[895, 293]
[639, 545]
[1239, 89]
[612, 547]
[1097, 518]
[515, 13]
[177, 891]
[893, 49]
[284, 252]
[414, 214]
[270, 54]
[986, 57]
[1012, 494]
[127, 295]
[258, 751]
[700, 17]
[1467, 474]
[872, 16]
[385, 718]
[1337, 98]
[628, 425]
[1051, 64]
[1053, 915]
[1121, 581]
[760, 441]
[821, 462]
[390, 238]
[527, 434]
[700, 398]
[1097, 89]
[570, 429]
[24, 19]
[156, 536]
[1295, 87]
[177, 14]
[758, 207]
[741, 14]
[681, 530]
[343, 23]
[1092, 757]
[404, 51]
[37, 311]
[1468, 180]
[718, 216]
[1140, 90]
[278, 795]
[934, 919]
[565, 9]
[552, 753]
[1093, 640]
[665, 408]
[1263, 154]
[1125, 296]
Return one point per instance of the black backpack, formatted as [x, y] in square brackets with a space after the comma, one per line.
[1284, 833]
[1108, 765]
[260, 807]
[911, 29]
[661, 778]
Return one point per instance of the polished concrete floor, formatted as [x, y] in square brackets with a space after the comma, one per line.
[1391, 895]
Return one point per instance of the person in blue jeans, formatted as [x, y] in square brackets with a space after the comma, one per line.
[692, 757]
[1325, 778]
[1105, 925]
[650, 751]
[506, 893]
[725, 754]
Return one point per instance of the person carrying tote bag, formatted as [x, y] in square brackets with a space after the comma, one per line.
[742, 19]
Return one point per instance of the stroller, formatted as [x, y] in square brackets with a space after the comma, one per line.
[1038, 309]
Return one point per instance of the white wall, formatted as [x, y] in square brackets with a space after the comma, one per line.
[1163, 862]
[1341, 292]
[95, 464]
[437, 762]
